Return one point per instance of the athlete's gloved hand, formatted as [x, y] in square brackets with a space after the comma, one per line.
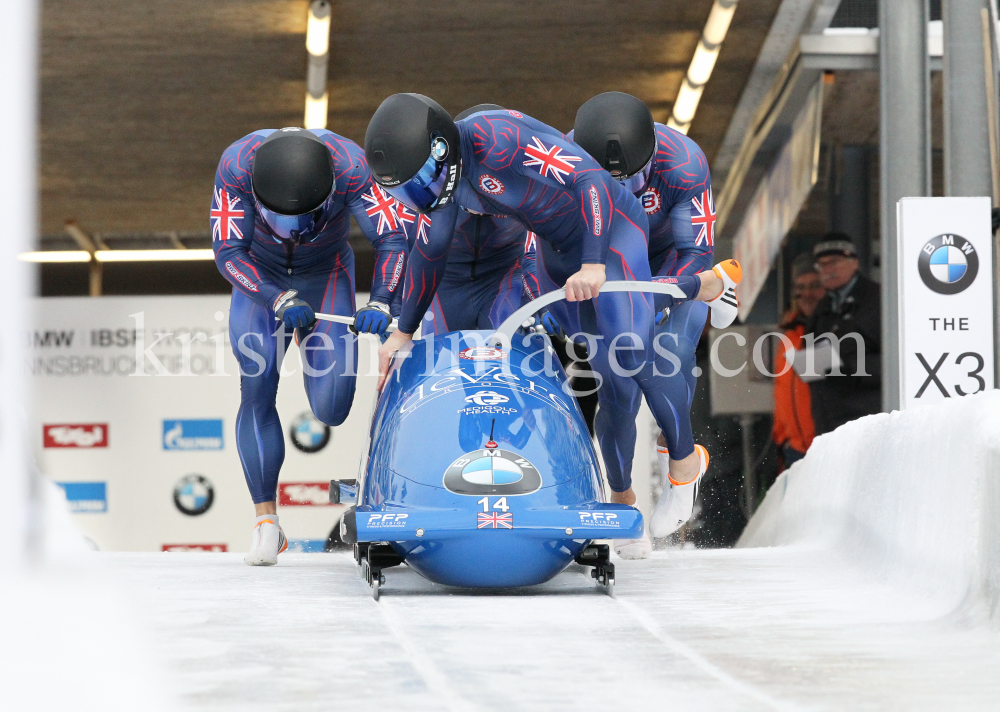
[551, 326]
[294, 312]
[661, 316]
[373, 318]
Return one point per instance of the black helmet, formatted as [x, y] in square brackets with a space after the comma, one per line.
[414, 151]
[476, 109]
[292, 181]
[617, 130]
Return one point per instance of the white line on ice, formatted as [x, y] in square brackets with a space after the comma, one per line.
[436, 681]
[700, 661]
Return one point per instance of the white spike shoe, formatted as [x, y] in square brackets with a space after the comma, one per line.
[639, 548]
[676, 504]
[268, 541]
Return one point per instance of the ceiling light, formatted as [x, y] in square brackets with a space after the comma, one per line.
[315, 117]
[153, 255]
[685, 105]
[318, 28]
[318, 46]
[718, 22]
[702, 65]
[55, 256]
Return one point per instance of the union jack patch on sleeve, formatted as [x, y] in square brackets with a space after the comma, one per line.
[703, 217]
[382, 204]
[418, 221]
[224, 215]
[551, 162]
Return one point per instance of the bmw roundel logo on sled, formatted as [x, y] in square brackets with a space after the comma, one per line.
[948, 264]
[498, 472]
[482, 353]
[308, 433]
[193, 495]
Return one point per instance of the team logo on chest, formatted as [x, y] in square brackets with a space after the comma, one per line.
[491, 185]
[551, 162]
[651, 201]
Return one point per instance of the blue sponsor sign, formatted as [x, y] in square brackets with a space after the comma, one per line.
[192, 434]
[86, 497]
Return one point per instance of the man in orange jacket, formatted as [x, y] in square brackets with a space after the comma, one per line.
[793, 424]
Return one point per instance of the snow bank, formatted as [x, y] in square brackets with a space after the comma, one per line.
[912, 498]
[71, 637]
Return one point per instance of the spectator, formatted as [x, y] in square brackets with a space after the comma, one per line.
[852, 305]
[793, 423]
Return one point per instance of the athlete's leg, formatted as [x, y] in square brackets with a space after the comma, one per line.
[329, 350]
[619, 399]
[679, 334]
[259, 440]
[507, 298]
[599, 322]
[654, 366]
[457, 304]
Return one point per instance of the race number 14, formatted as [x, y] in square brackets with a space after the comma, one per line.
[970, 359]
[500, 504]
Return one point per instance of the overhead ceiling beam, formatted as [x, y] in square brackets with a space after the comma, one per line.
[764, 93]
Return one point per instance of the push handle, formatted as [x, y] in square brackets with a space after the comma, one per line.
[511, 324]
[349, 320]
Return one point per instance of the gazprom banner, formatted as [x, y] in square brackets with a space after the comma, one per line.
[134, 416]
[946, 328]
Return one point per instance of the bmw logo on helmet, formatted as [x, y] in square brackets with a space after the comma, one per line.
[193, 495]
[308, 433]
[948, 264]
[492, 471]
[439, 148]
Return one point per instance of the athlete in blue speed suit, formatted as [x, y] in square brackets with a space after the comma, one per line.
[490, 270]
[676, 196]
[593, 229]
[265, 260]
[674, 186]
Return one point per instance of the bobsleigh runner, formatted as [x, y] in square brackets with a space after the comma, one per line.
[480, 471]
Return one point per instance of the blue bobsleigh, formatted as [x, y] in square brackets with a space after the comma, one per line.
[480, 471]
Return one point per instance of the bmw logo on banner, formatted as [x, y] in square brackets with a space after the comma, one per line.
[948, 264]
[194, 495]
[498, 472]
[308, 433]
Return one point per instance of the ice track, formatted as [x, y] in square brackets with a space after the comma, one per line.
[753, 629]
[869, 579]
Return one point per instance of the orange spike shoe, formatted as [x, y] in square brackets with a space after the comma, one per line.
[677, 503]
[725, 306]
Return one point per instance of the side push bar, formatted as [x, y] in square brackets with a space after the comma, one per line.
[349, 320]
[503, 335]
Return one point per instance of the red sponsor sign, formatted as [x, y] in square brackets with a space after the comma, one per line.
[304, 494]
[83, 435]
[217, 548]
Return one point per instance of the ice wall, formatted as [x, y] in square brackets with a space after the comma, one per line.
[911, 498]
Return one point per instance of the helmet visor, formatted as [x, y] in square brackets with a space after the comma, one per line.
[423, 190]
[637, 182]
[294, 227]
